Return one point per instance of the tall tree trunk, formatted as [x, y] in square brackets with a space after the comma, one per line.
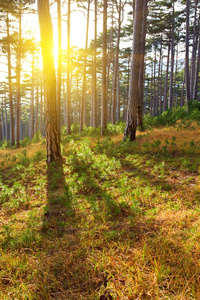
[134, 91]
[36, 107]
[171, 99]
[18, 82]
[110, 61]
[68, 107]
[187, 74]
[115, 103]
[158, 82]
[197, 72]
[104, 77]
[6, 118]
[194, 52]
[2, 119]
[31, 123]
[83, 102]
[94, 98]
[155, 104]
[142, 64]
[59, 68]
[12, 137]
[166, 78]
[41, 108]
[51, 123]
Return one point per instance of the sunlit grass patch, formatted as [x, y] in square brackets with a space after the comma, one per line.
[112, 218]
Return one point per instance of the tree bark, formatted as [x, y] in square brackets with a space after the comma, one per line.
[68, 107]
[166, 78]
[18, 82]
[104, 77]
[51, 123]
[171, 98]
[142, 64]
[187, 74]
[12, 137]
[83, 102]
[59, 68]
[134, 91]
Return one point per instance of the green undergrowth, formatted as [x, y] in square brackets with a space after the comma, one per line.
[111, 220]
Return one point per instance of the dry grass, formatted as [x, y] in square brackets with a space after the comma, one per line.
[75, 232]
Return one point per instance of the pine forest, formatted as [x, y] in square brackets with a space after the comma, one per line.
[99, 149]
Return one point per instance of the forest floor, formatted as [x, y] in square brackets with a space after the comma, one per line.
[112, 220]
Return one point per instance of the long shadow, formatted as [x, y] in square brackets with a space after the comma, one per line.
[76, 278]
[58, 201]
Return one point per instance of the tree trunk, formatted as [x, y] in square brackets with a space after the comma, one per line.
[194, 52]
[83, 102]
[68, 107]
[104, 77]
[12, 137]
[31, 123]
[197, 73]
[165, 106]
[171, 99]
[6, 119]
[59, 68]
[36, 108]
[142, 65]
[94, 98]
[187, 74]
[18, 82]
[51, 123]
[134, 91]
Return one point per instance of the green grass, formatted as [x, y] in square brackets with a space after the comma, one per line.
[112, 219]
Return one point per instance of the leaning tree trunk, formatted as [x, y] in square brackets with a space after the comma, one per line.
[51, 124]
[134, 91]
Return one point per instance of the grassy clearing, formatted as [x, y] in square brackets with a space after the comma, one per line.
[114, 219]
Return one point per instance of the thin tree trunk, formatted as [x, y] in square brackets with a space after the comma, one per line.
[197, 73]
[94, 102]
[187, 74]
[41, 109]
[36, 108]
[83, 102]
[104, 77]
[154, 86]
[31, 124]
[6, 118]
[194, 52]
[18, 82]
[142, 64]
[59, 68]
[166, 78]
[171, 99]
[68, 106]
[12, 136]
